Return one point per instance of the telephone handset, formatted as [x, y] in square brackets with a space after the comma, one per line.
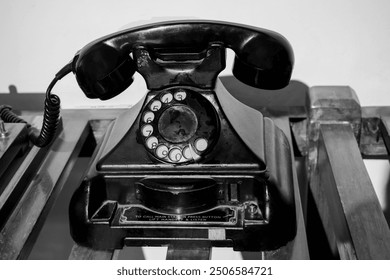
[188, 162]
[104, 68]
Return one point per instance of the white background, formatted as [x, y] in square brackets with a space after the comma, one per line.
[336, 42]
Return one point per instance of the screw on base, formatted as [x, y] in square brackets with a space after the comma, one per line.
[3, 132]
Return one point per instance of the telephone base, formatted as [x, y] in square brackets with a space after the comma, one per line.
[115, 225]
[111, 210]
[237, 191]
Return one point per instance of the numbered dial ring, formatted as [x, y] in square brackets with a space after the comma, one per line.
[179, 126]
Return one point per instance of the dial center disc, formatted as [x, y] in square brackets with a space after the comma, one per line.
[177, 124]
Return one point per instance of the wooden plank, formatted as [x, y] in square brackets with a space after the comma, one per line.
[22, 227]
[371, 142]
[385, 130]
[346, 200]
[330, 104]
[11, 143]
[298, 248]
[188, 251]
[21, 178]
[83, 253]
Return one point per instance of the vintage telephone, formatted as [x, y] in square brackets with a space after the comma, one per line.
[189, 162]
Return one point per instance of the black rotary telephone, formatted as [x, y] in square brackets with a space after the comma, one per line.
[189, 162]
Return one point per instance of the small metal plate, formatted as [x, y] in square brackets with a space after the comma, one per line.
[12, 144]
[220, 215]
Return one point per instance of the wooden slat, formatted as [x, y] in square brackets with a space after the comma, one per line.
[21, 178]
[11, 142]
[83, 253]
[371, 142]
[188, 252]
[346, 200]
[22, 227]
[385, 129]
[330, 104]
[298, 248]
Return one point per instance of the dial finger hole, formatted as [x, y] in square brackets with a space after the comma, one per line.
[147, 130]
[175, 155]
[155, 106]
[201, 144]
[162, 151]
[152, 142]
[187, 152]
[180, 95]
[166, 98]
[148, 117]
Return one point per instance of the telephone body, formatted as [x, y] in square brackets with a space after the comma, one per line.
[188, 162]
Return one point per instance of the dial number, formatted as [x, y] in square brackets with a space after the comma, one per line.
[152, 142]
[180, 95]
[147, 130]
[166, 98]
[175, 155]
[162, 151]
[155, 106]
[148, 117]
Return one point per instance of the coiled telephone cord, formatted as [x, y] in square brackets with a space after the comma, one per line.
[51, 115]
[8, 116]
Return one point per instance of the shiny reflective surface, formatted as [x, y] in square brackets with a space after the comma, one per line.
[177, 124]
[18, 231]
[103, 68]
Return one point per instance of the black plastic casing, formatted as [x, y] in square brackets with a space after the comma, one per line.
[238, 193]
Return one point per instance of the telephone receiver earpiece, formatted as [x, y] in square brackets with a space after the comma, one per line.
[263, 59]
[103, 72]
